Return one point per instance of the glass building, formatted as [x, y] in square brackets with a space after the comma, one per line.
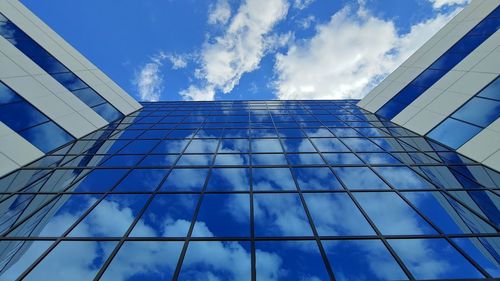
[251, 190]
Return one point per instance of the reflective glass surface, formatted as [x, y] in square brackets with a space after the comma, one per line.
[260, 190]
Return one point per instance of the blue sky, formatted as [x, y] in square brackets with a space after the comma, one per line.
[246, 49]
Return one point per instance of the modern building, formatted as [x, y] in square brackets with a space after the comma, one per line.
[254, 190]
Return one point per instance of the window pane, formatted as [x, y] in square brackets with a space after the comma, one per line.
[272, 179]
[229, 179]
[99, 180]
[402, 177]
[232, 209]
[329, 145]
[289, 260]
[360, 178]
[185, 180]
[142, 180]
[335, 214]
[218, 260]
[269, 159]
[316, 178]
[144, 260]
[392, 215]
[478, 111]
[454, 133]
[363, 260]
[433, 259]
[266, 145]
[168, 215]
[341, 158]
[280, 215]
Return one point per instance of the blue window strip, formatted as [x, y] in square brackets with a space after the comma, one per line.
[470, 119]
[29, 122]
[57, 70]
[442, 65]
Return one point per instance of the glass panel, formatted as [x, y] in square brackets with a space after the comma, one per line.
[478, 111]
[168, 215]
[316, 178]
[144, 260]
[90, 258]
[99, 180]
[232, 209]
[483, 251]
[23, 254]
[272, 179]
[185, 180]
[378, 158]
[229, 179]
[360, 178]
[217, 261]
[266, 145]
[362, 260]
[335, 214]
[329, 145]
[269, 159]
[232, 159]
[433, 259]
[453, 133]
[298, 145]
[280, 215]
[202, 146]
[111, 217]
[342, 158]
[141, 180]
[402, 177]
[391, 214]
[289, 260]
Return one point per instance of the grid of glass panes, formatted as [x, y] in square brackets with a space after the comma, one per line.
[251, 190]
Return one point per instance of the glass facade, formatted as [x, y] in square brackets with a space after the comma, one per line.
[453, 56]
[57, 70]
[251, 190]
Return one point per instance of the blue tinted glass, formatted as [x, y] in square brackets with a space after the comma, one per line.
[448, 61]
[170, 146]
[99, 180]
[408, 94]
[479, 250]
[108, 112]
[298, 145]
[232, 159]
[391, 109]
[121, 160]
[305, 159]
[89, 97]
[47, 136]
[362, 260]
[361, 145]
[70, 81]
[329, 145]
[402, 177]
[392, 215]
[196, 160]
[91, 256]
[289, 260]
[335, 214]
[433, 259]
[144, 260]
[320, 132]
[378, 158]
[30, 116]
[111, 217]
[478, 111]
[453, 133]
[428, 78]
[268, 159]
[139, 147]
[185, 180]
[316, 178]
[360, 178]
[168, 215]
[341, 158]
[228, 179]
[202, 146]
[290, 133]
[266, 145]
[7, 95]
[234, 146]
[492, 91]
[14, 268]
[280, 215]
[436, 207]
[232, 209]
[50, 64]
[217, 260]
[141, 180]
[272, 179]
[158, 160]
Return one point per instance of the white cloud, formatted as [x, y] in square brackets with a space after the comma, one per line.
[220, 14]
[348, 56]
[306, 22]
[302, 4]
[224, 59]
[437, 4]
[177, 61]
[149, 80]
